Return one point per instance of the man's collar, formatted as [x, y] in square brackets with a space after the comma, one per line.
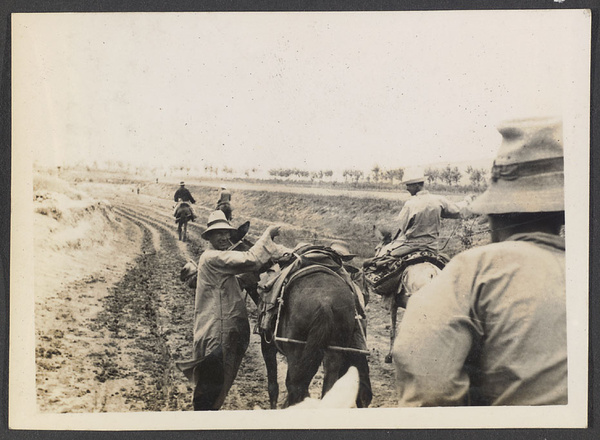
[543, 238]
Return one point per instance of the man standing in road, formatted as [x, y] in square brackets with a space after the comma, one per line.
[491, 328]
[183, 195]
[221, 327]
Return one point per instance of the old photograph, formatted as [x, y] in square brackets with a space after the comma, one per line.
[363, 219]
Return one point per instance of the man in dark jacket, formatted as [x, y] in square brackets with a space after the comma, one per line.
[183, 195]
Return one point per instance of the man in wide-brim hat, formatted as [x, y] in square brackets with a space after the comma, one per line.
[183, 195]
[221, 328]
[419, 222]
[491, 328]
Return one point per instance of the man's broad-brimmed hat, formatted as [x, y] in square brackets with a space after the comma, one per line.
[414, 175]
[182, 183]
[217, 222]
[528, 173]
[342, 250]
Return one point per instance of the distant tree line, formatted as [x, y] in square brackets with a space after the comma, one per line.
[452, 176]
[377, 175]
[287, 173]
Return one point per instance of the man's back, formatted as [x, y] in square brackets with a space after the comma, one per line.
[491, 326]
[183, 194]
[419, 221]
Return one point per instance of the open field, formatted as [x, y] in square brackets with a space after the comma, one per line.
[112, 317]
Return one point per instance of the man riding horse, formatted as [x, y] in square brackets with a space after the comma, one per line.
[419, 222]
[415, 241]
[183, 196]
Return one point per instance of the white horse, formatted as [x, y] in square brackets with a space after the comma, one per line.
[342, 395]
[414, 278]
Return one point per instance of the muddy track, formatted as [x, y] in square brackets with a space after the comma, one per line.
[148, 314]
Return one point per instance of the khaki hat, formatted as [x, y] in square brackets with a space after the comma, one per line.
[182, 183]
[217, 222]
[342, 250]
[414, 175]
[528, 173]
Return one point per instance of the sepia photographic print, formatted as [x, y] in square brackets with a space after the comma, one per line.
[368, 220]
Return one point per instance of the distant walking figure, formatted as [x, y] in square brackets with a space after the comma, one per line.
[224, 203]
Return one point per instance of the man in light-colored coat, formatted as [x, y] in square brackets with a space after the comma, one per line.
[221, 327]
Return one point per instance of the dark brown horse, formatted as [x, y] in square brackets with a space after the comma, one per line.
[316, 324]
[183, 215]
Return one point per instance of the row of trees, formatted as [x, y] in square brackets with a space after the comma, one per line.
[377, 175]
[286, 173]
[452, 175]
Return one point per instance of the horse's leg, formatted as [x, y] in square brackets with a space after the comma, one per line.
[394, 315]
[269, 352]
[300, 374]
[179, 229]
[332, 365]
[184, 232]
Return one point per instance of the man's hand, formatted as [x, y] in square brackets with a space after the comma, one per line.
[273, 230]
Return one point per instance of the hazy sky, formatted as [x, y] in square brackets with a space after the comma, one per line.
[270, 90]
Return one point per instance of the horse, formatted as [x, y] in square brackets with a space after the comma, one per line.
[414, 277]
[183, 214]
[315, 325]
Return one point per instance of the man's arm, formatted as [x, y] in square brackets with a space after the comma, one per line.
[236, 262]
[456, 210]
[403, 221]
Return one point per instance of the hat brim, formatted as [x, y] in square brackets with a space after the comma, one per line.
[543, 193]
[217, 227]
[410, 181]
[240, 232]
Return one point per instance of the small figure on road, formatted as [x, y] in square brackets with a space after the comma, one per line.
[183, 195]
[224, 202]
[490, 329]
[221, 327]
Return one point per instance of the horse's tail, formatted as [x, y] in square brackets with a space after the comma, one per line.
[319, 337]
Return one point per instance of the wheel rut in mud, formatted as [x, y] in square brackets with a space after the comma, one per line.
[147, 314]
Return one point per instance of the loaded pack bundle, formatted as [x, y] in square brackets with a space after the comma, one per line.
[382, 274]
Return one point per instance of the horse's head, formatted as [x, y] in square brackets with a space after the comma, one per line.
[383, 234]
